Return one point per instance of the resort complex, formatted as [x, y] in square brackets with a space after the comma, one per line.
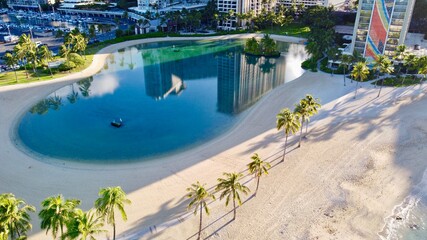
[216, 119]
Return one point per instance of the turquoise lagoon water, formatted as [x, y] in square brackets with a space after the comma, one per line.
[170, 95]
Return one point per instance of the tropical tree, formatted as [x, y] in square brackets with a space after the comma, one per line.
[80, 44]
[11, 61]
[56, 212]
[14, 216]
[21, 55]
[399, 55]
[302, 111]
[290, 124]
[46, 56]
[386, 67]
[314, 106]
[230, 187]
[111, 198]
[346, 61]
[84, 225]
[422, 67]
[258, 167]
[360, 71]
[379, 61]
[199, 196]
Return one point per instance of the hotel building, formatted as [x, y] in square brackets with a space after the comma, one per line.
[380, 26]
[28, 3]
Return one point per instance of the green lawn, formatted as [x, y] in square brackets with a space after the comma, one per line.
[401, 81]
[293, 29]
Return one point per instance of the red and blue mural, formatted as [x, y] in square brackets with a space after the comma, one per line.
[380, 22]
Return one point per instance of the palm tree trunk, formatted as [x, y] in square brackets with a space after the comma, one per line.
[300, 133]
[355, 92]
[379, 92]
[26, 72]
[16, 76]
[284, 151]
[344, 76]
[114, 228]
[234, 209]
[378, 76]
[200, 224]
[257, 184]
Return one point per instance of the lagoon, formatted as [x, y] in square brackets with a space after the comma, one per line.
[172, 96]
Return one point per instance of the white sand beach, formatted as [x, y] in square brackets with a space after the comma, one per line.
[361, 157]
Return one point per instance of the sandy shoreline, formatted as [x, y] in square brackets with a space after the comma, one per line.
[360, 159]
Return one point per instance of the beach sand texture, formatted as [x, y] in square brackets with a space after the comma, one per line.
[360, 158]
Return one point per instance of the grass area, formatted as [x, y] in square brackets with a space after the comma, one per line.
[399, 81]
[310, 64]
[292, 29]
[8, 78]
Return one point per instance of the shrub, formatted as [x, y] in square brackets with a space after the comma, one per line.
[76, 59]
[68, 65]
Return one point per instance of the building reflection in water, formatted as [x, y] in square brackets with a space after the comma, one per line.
[244, 79]
[167, 78]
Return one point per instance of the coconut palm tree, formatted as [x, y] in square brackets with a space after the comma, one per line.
[84, 225]
[111, 198]
[303, 112]
[399, 55]
[314, 106]
[14, 216]
[56, 212]
[21, 55]
[258, 167]
[290, 124]
[360, 71]
[11, 61]
[46, 55]
[199, 196]
[230, 187]
[422, 67]
[377, 65]
[386, 67]
[346, 61]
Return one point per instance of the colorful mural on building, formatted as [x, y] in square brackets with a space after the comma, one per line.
[380, 22]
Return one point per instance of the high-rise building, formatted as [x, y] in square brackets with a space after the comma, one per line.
[380, 26]
[27, 3]
[306, 3]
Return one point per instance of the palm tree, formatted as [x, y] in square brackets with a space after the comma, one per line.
[314, 105]
[409, 61]
[379, 61]
[231, 187]
[111, 198]
[14, 216]
[258, 167]
[399, 55]
[46, 55]
[84, 225]
[346, 60]
[199, 196]
[21, 54]
[360, 71]
[386, 67]
[11, 61]
[290, 124]
[56, 212]
[422, 67]
[303, 112]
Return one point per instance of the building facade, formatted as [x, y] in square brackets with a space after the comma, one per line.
[35, 4]
[381, 25]
[305, 3]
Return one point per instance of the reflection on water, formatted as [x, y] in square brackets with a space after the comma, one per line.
[202, 87]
